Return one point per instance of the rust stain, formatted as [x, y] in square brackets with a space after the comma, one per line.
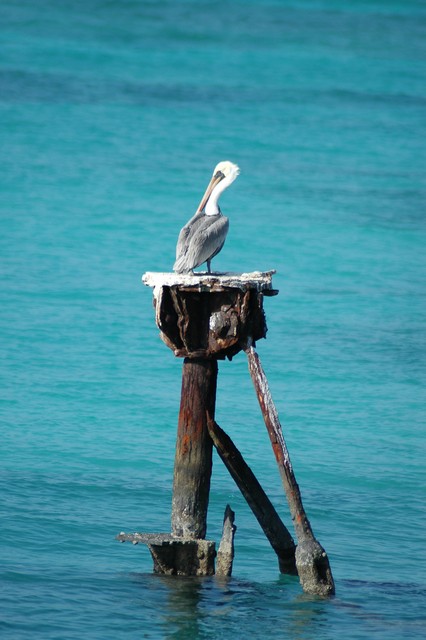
[185, 444]
[277, 451]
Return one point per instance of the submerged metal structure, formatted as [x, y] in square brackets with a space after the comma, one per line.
[204, 318]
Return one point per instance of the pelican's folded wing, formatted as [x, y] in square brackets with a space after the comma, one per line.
[185, 235]
[208, 240]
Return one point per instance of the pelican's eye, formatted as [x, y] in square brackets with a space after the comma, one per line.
[219, 174]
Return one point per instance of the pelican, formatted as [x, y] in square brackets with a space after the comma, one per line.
[204, 234]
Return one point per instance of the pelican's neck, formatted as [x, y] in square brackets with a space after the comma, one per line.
[212, 206]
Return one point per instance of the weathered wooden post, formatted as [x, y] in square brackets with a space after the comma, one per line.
[225, 554]
[204, 318]
[273, 527]
[311, 560]
[193, 459]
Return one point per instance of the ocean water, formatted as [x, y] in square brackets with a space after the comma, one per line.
[113, 115]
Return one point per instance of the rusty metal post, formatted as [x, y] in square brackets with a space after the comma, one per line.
[193, 459]
[312, 561]
[272, 525]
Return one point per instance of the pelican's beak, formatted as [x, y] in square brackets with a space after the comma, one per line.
[213, 182]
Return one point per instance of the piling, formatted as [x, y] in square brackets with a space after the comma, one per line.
[193, 459]
[204, 318]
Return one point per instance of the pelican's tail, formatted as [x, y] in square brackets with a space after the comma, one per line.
[180, 265]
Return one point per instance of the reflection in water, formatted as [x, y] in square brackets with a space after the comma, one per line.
[183, 616]
[203, 608]
[308, 616]
[197, 608]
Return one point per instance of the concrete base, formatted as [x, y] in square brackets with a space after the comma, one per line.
[176, 556]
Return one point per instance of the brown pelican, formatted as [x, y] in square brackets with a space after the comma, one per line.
[204, 235]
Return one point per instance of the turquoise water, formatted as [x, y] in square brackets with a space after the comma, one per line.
[113, 116]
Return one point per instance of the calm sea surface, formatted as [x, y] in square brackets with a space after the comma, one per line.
[112, 117]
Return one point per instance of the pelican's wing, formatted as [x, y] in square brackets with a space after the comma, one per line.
[207, 241]
[185, 233]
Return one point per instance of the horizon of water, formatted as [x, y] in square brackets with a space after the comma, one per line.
[113, 116]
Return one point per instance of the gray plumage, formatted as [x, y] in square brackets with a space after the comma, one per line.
[199, 241]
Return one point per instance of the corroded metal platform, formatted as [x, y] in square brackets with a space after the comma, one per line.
[258, 280]
[210, 315]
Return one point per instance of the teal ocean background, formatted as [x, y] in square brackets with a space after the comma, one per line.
[113, 115]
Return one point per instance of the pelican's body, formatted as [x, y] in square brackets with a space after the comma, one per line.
[204, 234]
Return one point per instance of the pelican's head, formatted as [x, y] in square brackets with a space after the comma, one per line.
[229, 170]
[224, 174]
